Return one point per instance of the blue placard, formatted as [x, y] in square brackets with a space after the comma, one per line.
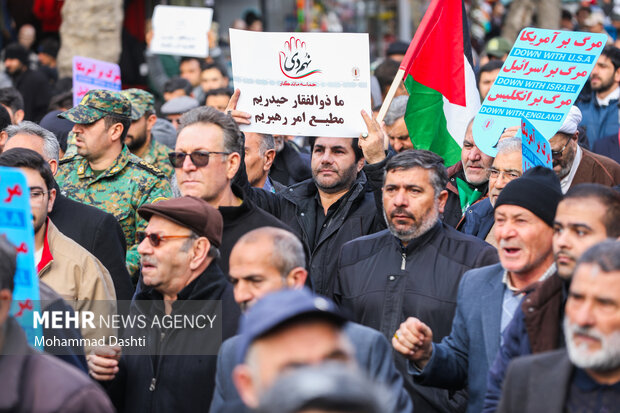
[535, 148]
[16, 225]
[540, 80]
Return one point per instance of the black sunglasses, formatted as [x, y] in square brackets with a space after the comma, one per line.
[156, 239]
[199, 158]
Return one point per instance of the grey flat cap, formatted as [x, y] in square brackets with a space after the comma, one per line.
[179, 105]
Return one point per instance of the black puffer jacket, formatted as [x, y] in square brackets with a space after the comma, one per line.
[356, 216]
[381, 283]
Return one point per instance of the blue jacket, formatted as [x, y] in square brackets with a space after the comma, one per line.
[372, 352]
[599, 121]
[463, 358]
[478, 219]
[536, 327]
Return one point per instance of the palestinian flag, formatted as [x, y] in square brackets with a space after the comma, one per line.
[440, 79]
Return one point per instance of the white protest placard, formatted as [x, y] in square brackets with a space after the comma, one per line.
[181, 30]
[91, 74]
[540, 80]
[307, 84]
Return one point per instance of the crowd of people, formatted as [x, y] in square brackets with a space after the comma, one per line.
[345, 276]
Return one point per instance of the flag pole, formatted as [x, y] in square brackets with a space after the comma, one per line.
[389, 97]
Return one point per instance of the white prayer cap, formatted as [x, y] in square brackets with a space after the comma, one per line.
[572, 120]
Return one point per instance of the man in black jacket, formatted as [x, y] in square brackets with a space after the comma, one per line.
[206, 158]
[336, 205]
[97, 231]
[175, 369]
[415, 266]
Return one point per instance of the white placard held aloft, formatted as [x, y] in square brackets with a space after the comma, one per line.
[181, 31]
[305, 84]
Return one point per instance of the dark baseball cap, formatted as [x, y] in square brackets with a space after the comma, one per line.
[96, 104]
[280, 307]
[190, 212]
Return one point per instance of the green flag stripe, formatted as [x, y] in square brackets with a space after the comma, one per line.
[426, 122]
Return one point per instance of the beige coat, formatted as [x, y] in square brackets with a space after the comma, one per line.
[79, 278]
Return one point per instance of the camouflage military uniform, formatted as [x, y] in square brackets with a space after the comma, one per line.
[142, 103]
[124, 186]
[157, 156]
[120, 190]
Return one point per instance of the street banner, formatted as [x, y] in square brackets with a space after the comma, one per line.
[16, 226]
[540, 81]
[181, 31]
[536, 149]
[91, 74]
[308, 84]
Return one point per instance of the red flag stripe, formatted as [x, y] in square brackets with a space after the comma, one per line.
[435, 57]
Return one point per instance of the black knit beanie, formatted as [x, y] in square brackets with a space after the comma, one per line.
[538, 191]
[16, 51]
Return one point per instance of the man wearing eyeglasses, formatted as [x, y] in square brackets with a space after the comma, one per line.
[206, 158]
[71, 271]
[507, 166]
[574, 165]
[175, 370]
[104, 173]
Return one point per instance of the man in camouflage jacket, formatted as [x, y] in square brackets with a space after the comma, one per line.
[139, 139]
[104, 173]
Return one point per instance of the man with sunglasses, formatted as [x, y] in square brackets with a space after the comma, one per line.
[206, 158]
[175, 370]
[104, 173]
[575, 165]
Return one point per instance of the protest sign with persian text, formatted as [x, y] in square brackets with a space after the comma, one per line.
[16, 226]
[91, 74]
[536, 149]
[310, 84]
[181, 31]
[540, 80]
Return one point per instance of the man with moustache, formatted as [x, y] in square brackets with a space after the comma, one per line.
[586, 375]
[587, 215]
[412, 268]
[600, 107]
[468, 180]
[488, 296]
[139, 139]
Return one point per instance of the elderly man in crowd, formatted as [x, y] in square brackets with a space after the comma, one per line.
[395, 125]
[507, 166]
[584, 376]
[468, 180]
[488, 296]
[175, 370]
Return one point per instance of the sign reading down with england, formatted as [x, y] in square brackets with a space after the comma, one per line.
[539, 81]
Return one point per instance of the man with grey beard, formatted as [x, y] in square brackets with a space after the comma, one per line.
[586, 375]
[413, 268]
